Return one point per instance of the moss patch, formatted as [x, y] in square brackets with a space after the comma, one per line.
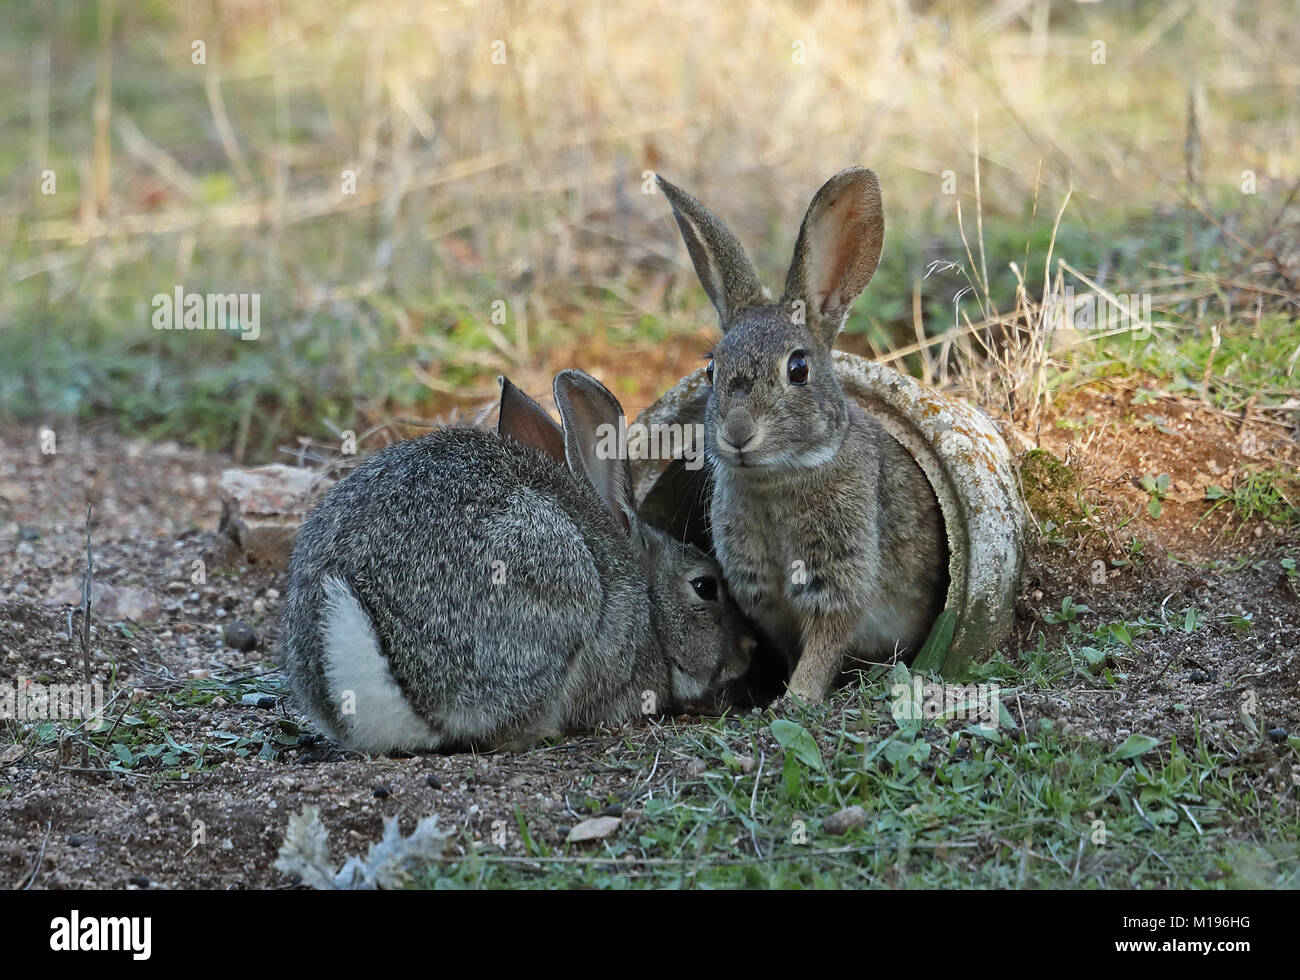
[1051, 488]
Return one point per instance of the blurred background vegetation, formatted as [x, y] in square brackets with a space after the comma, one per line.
[501, 151]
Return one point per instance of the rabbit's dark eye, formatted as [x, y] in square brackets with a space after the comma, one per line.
[706, 587]
[796, 368]
[709, 370]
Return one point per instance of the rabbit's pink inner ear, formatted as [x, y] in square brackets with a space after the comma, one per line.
[594, 440]
[839, 247]
[527, 423]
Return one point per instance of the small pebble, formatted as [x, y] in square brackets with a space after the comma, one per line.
[850, 818]
[240, 636]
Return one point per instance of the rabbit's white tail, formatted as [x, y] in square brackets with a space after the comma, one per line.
[376, 716]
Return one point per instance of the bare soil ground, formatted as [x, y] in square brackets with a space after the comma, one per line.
[64, 824]
[1177, 681]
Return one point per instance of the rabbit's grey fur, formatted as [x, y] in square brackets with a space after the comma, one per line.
[828, 531]
[469, 590]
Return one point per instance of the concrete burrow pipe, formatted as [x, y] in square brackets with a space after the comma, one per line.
[957, 446]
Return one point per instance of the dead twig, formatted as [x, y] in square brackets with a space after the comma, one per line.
[85, 627]
[40, 857]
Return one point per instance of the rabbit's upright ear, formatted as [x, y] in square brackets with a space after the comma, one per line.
[527, 423]
[721, 263]
[838, 250]
[592, 440]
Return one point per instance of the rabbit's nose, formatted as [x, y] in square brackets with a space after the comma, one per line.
[739, 434]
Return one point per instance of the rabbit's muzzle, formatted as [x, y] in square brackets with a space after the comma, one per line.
[738, 435]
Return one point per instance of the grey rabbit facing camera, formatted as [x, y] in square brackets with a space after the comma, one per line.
[828, 532]
[477, 589]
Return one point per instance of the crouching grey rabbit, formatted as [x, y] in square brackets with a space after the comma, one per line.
[476, 589]
[827, 530]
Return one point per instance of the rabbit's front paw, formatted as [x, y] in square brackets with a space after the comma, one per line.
[807, 690]
[815, 672]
